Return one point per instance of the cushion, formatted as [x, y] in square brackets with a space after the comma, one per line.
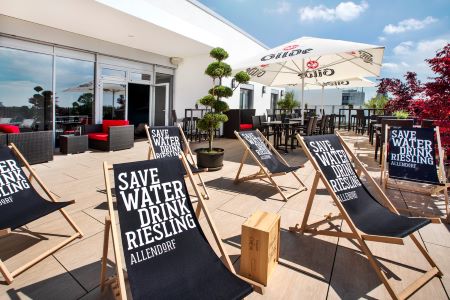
[6, 128]
[98, 136]
[107, 123]
[245, 126]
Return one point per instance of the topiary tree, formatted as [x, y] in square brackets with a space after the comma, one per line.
[218, 70]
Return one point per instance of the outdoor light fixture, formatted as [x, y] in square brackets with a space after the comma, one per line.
[281, 93]
[264, 89]
[233, 83]
[176, 60]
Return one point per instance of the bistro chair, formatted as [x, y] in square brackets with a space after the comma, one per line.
[427, 123]
[26, 205]
[177, 262]
[361, 122]
[256, 122]
[367, 218]
[323, 125]
[331, 123]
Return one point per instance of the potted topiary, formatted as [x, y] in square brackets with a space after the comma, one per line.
[212, 158]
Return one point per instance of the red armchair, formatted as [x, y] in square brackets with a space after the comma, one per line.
[112, 135]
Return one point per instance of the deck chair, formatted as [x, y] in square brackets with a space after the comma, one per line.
[410, 155]
[21, 204]
[176, 142]
[271, 163]
[368, 219]
[167, 255]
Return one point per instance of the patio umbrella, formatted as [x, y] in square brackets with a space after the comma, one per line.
[311, 60]
[344, 84]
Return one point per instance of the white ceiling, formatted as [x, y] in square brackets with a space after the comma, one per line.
[135, 24]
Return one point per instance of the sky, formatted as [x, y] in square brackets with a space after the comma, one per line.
[411, 31]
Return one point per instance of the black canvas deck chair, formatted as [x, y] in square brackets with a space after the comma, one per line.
[271, 163]
[368, 219]
[410, 155]
[170, 141]
[21, 204]
[167, 255]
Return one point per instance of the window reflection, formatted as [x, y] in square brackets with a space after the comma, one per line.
[74, 99]
[25, 85]
[114, 101]
[246, 99]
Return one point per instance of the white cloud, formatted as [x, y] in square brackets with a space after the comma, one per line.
[382, 39]
[409, 25]
[410, 56]
[282, 7]
[344, 11]
[403, 48]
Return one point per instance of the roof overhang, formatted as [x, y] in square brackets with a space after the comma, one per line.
[134, 23]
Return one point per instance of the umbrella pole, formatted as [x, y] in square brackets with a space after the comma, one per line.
[321, 101]
[303, 91]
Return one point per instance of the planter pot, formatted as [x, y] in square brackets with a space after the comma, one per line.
[213, 161]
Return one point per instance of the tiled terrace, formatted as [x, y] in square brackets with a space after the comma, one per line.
[310, 267]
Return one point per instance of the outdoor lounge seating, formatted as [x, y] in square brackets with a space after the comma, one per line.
[25, 205]
[268, 159]
[410, 155]
[369, 219]
[35, 146]
[176, 264]
[112, 135]
[170, 141]
[238, 120]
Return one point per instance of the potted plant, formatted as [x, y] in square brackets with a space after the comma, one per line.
[212, 158]
[288, 103]
[401, 114]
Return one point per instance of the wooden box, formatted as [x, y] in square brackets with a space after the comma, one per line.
[260, 246]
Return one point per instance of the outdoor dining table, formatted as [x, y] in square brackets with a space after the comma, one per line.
[279, 128]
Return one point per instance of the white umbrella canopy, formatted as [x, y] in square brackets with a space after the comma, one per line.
[357, 82]
[313, 60]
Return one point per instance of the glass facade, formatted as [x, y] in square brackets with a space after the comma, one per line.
[114, 101]
[74, 97]
[246, 99]
[45, 87]
[26, 97]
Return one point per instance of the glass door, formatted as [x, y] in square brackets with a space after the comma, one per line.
[114, 99]
[161, 104]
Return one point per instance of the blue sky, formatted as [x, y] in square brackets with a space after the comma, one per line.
[410, 30]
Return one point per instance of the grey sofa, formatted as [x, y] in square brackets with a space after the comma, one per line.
[36, 146]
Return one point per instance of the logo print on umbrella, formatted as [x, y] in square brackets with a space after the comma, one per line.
[290, 47]
[312, 64]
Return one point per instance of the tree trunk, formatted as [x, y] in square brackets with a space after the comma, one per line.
[211, 137]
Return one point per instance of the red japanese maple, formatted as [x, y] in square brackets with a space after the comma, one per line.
[430, 100]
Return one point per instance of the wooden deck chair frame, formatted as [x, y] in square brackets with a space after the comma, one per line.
[433, 190]
[117, 281]
[10, 275]
[151, 152]
[356, 234]
[263, 171]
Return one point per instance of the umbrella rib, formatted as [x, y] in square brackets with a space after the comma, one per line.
[358, 65]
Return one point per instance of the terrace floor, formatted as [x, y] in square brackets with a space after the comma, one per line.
[311, 267]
